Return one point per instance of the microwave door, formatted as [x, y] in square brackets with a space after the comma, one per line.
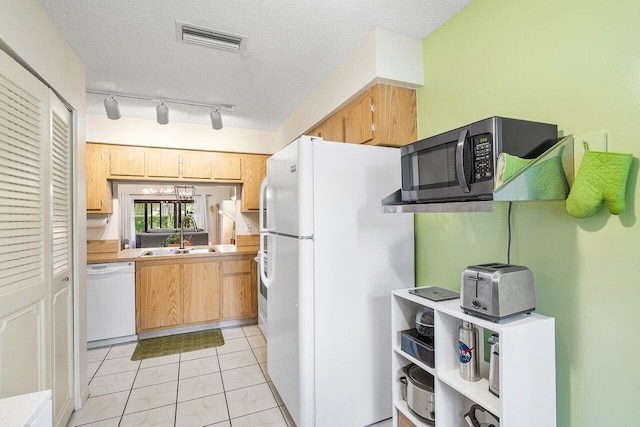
[460, 164]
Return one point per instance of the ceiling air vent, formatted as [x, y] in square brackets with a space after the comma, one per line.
[188, 33]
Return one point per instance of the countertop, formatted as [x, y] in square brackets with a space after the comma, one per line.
[135, 254]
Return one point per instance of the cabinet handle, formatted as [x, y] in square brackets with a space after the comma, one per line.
[66, 279]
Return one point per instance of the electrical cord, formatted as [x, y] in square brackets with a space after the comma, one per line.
[509, 234]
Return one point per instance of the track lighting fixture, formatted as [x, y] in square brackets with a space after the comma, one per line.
[162, 113]
[216, 119]
[112, 108]
[162, 110]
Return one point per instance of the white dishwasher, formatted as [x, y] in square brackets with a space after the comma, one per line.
[111, 303]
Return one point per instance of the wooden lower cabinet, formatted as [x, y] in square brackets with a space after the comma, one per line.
[201, 292]
[158, 296]
[239, 293]
[188, 291]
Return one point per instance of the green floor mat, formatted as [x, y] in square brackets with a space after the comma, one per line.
[172, 344]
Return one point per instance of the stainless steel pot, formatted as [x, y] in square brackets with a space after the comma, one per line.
[418, 392]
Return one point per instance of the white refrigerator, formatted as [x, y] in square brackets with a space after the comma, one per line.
[334, 259]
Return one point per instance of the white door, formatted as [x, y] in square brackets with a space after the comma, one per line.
[61, 283]
[24, 220]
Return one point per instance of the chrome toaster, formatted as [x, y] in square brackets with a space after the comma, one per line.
[496, 291]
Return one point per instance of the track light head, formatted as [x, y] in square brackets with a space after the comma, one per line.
[162, 114]
[112, 108]
[216, 119]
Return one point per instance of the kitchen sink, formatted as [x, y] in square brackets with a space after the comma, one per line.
[166, 252]
[200, 251]
[163, 252]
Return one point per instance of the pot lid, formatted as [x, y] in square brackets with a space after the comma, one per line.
[419, 377]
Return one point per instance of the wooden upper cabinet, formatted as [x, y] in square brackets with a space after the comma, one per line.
[99, 198]
[382, 115]
[358, 120]
[394, 115]
[196, 164]
[163, 163]
[125, 161]
[331, 129]
[254, 169]
[227, 167]
[334, 128]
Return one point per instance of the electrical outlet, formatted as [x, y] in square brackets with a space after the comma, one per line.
[249, 227]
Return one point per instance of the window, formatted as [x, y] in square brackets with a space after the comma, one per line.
[155, 214]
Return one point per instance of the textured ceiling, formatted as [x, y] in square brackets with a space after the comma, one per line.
[130, 47]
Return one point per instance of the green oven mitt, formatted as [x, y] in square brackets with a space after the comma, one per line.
[602, 177]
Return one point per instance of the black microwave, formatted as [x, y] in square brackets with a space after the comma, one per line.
[459, 165]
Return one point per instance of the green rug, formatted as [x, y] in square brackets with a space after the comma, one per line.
[172, 344]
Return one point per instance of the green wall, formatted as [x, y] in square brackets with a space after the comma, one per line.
[575, 63]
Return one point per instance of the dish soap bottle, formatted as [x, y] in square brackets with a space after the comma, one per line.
[467, 348]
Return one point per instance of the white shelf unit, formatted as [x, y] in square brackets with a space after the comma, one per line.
[527, 366]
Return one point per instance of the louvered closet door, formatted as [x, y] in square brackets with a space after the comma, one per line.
[24, 250]
[61, 282]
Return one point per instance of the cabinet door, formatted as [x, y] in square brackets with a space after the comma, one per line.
[98, 188]
[201, 292]
[333, 128]
[394, 115]
[158, 296]
[316, 131]
[227, 167]
[126, 161]
[195, 164]
[163, 163]
[358, 120]
[254, 169]
[238, 296]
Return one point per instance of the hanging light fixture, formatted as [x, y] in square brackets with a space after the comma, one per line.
[112, 108]
[184, 192]
[162, 113]
[216, 119]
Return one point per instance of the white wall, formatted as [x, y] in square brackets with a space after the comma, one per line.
[26, 29]
[149, 133]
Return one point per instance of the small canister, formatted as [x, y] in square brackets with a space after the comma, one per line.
[467, 348]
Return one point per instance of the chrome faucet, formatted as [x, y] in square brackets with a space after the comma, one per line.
[182, 221]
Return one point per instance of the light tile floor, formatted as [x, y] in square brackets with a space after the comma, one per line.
[225, 386]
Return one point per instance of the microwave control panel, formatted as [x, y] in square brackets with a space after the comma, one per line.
[482, 157]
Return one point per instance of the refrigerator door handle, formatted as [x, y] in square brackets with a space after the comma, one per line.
[263, 273]
[261, 219]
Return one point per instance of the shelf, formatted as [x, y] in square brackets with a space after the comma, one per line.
[477, 391]
[401, 405]
[527, 357]
[452, 308]
[548, 177]
[412, 359]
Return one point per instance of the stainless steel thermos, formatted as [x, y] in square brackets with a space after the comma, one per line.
[494, 365]
[468, 347]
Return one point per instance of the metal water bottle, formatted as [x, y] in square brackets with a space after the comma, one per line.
[494, 365]
[468, 347]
